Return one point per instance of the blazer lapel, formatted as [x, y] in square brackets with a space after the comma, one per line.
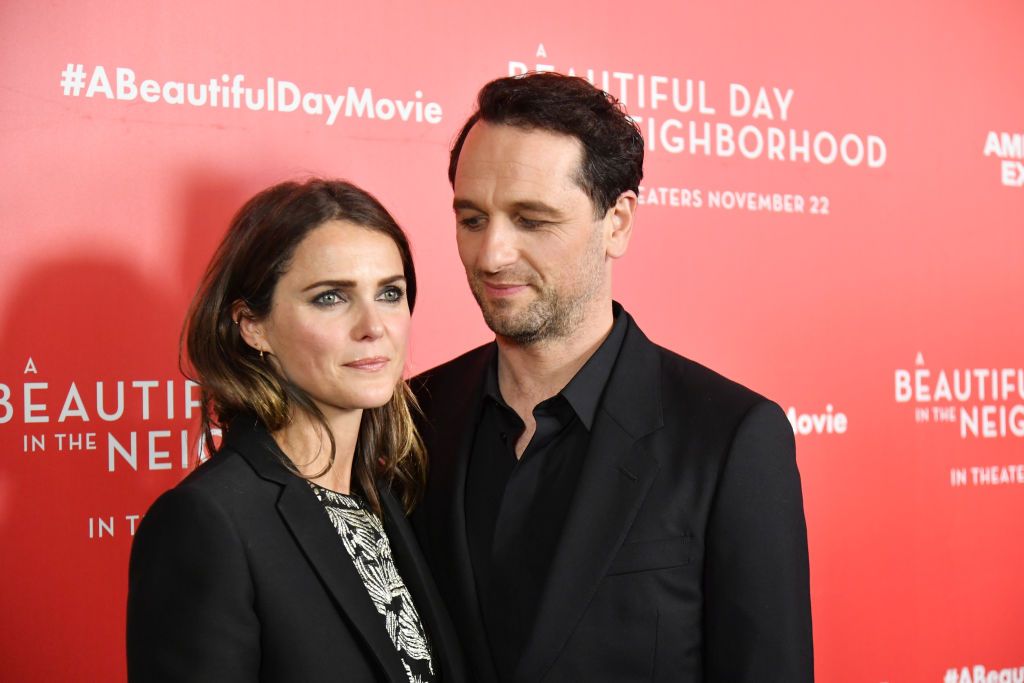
[617, 474]
[417, 578]
[305, 517]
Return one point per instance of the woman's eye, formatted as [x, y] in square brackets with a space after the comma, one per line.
[328, 298]
[392, 295]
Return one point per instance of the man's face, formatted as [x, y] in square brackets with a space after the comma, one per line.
[534, 254]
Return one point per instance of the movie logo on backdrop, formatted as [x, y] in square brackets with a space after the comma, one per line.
[978, 403]
[824, 422]
[100, 419]
[985, 403]
[1009, 149]
[685, 115]
[981, 674]
[236, 91]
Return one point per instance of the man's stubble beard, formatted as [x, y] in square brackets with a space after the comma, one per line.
[552, 314]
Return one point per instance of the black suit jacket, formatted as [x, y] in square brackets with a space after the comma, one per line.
[237, 574]
[684, 552]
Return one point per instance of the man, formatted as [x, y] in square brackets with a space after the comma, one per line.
[598, 508]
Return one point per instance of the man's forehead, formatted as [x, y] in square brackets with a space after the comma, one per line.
[513, 138]
[522, 162]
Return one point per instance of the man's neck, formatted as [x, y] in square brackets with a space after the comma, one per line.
[532, 373]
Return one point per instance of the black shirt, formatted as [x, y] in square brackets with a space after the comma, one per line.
[515, 509]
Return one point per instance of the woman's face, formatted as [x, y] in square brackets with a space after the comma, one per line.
[339, 319]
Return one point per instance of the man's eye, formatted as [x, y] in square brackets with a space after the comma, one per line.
[328, 298]
[530, 223]
[392, 295]
[471, 222]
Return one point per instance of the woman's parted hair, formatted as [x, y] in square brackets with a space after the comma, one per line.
[256, 251]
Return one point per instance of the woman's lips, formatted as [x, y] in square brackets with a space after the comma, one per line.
[368, 364]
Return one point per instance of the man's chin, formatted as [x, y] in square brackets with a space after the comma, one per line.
[519, 329]
[501, 309]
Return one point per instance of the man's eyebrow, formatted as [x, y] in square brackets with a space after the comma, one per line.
[524, 205]
[536, 207]
[464, 204]
[350, 284]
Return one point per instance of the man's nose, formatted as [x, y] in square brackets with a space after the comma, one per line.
[498, 247]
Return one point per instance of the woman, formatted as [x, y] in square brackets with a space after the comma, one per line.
[286, 556]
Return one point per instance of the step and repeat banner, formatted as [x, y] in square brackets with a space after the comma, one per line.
[832, 213]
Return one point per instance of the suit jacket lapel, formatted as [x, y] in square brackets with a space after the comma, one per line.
[617, 473]
[305, 517]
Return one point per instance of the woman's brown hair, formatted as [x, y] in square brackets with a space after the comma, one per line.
[256, 251]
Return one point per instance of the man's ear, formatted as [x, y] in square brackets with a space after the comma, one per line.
[619, 224]
[250, 328]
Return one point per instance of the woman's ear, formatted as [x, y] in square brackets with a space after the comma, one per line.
[251, 329]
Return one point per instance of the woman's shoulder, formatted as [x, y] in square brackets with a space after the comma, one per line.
[219, 487]
[227, 466]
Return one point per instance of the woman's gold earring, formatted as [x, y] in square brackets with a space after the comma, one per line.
[261, 354]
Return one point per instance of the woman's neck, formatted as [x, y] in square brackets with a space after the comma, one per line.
[307, 444]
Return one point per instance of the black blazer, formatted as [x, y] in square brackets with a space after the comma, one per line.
[684, 552]
[237, 574]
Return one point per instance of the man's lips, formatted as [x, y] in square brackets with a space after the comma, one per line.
[371, 364]
[503, 289]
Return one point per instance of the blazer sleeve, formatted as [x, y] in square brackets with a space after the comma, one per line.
[757, 587]
[190, 595]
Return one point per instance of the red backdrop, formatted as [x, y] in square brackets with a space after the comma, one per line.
[833, 213]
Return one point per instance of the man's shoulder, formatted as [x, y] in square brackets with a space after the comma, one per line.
[684, 380]
[698, 403]
[678, 367]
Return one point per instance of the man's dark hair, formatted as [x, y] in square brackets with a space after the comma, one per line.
[613, 149]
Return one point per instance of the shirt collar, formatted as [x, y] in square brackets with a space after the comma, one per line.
[584, 390]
